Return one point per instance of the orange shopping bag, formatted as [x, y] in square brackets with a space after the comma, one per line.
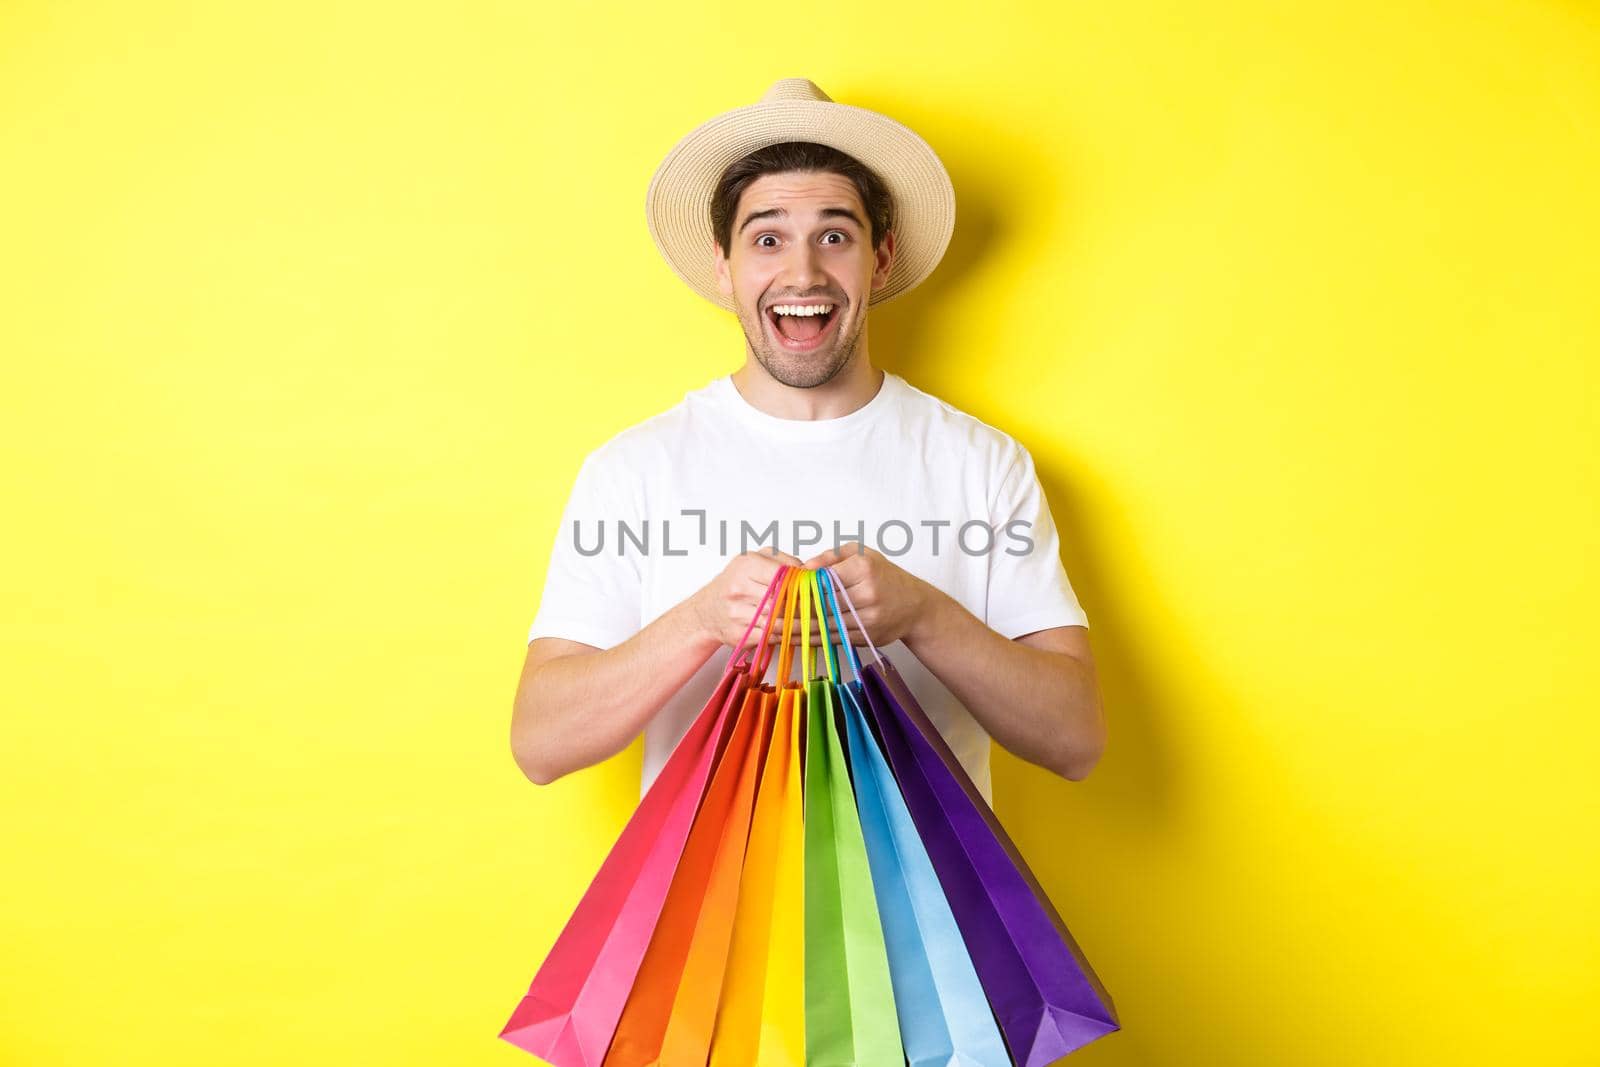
[761, 1019]
[671, 1010]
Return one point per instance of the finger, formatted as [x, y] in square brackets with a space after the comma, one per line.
[753, 587]
[850, 566]
[849, 578]
[770, 552]
[823, 559]
[764, 567]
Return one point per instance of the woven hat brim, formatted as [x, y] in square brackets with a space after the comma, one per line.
[678, 201]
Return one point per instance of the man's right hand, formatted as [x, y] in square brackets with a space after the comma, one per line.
[578, 704]
[725, 606]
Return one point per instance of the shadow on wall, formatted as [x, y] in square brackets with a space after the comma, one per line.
[1066, 830]
[987, 214]
[900, 327]
[1071, 833]
[1134, 783]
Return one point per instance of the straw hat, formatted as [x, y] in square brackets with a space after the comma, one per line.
[678, 202]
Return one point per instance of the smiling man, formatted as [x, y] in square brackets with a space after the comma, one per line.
[799, 214]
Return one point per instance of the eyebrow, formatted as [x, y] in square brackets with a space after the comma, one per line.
[778, 212]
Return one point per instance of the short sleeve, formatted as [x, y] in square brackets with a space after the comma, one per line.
[1028, 587]
[591, 590]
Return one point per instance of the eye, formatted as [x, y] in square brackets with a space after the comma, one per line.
[763, 237]
[841, 233]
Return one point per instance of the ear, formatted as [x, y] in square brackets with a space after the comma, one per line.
[883, 258]
[724, 277]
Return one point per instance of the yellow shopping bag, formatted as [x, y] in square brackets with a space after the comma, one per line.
[761, 1016]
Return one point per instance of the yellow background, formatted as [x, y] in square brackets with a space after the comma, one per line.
[309, 311]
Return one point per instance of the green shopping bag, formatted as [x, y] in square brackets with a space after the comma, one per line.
[850, 1012]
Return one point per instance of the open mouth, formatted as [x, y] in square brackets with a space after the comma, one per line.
[802, 333]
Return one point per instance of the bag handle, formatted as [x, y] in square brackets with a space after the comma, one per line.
[786, 654]
[804, 596]
[837, 584]
[764, 656]
[807, 663]
[819, 582]
[778, 580]
[827, 581]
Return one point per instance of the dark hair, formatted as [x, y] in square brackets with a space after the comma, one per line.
[790, 156]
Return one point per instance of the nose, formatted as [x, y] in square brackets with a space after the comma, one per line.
[802, 268]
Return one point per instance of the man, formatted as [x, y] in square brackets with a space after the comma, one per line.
[798, 213]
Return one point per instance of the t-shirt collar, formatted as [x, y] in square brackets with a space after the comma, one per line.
[728, 395]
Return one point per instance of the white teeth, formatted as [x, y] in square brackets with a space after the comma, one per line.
[802, 309]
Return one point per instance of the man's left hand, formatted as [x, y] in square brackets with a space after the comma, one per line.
[892, 602]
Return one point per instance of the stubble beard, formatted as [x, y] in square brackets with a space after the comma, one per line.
[800, 371]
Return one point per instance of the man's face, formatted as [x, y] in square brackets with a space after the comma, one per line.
[801, 239]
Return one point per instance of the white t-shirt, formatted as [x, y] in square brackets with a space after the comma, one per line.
[658, 510]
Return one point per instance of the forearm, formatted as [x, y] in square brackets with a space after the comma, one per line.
[577, 710]
[1039, 705]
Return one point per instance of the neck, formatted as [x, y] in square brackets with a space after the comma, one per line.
[855, 384]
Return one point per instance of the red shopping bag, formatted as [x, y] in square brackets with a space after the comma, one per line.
[571, 1010]
[672, 1007]
[671, 1012]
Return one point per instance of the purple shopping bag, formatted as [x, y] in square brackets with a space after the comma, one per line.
[1045, 996]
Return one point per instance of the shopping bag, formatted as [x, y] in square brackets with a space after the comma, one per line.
[671, 1010]
[671, 1007]
[943, 1013]
[1046, 999]
[761, 1020]
[570, 1012]
[849, 997]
